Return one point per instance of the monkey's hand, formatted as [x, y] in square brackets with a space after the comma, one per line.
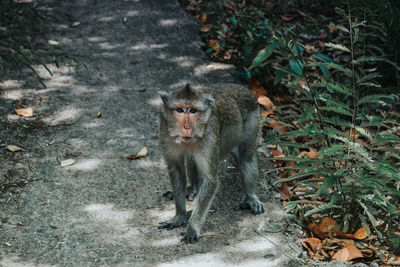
[251, 203]
[175, 222]
[191, 236]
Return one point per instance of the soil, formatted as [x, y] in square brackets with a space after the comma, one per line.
[104, 210]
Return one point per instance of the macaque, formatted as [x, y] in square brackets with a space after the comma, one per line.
[199, 128]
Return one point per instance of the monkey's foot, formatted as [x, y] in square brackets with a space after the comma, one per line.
[169, 195]
[174, 223]
[191, 192]
[251, 203]
[191, 236]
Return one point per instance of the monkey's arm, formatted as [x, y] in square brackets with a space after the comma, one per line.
[178, 181]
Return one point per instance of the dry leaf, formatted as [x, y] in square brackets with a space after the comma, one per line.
[203, 18]
[326, 228]
[349, 252]
[266, 113]
[13, 148]
[52, 42]
[67, 162]
[142, 153]
[99, 114]
[26, 112]
[214, 45]
[274, 124]
[256, 87]
[360, 233]
[313, 243]
[205, 29]
[312, 154]
[266, 102]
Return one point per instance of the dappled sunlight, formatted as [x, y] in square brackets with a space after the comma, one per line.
[10, 84]
[144, 163]
[144, 46]
[206, 259]
[16, 262]
[107, 19]
[205, 69]
[167, 22]
[132, 13]
[86, 165]
[67, 115]
[183, 61]
[13, 94]
[163, 214]
[155, 101]
[107, 45]
[256, 244]
[95, 39]
[165, 242]
[78, 143]
[93, 124]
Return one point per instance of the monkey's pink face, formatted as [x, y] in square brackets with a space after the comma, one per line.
[186, 117]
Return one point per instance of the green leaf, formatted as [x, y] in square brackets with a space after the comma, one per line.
[324, 58]
[337, 47]
[296, 66]
[264, 54]
[377, 98]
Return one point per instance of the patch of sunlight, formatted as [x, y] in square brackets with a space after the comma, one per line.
[163, 242]
[15, 262]
[86, 165]
[150, 163]
[143, 46]
[13, 94]
[253, 222]
[163, 214]
[66, 116]
[109, 54]
[155, 101]
[257, 244]
[78, 143]
[200, 260]
[125, 133]
[12, 117]
[204, 69]
[93, 124]
[183, 61]
[10, 84]
[80, 89]
[167, 22]
[95, 39]
[106, 19]
[106, 213]
[107, 45]
[132, 13]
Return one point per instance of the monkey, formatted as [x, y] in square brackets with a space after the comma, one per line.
[199, 128]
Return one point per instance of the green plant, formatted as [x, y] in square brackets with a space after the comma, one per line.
[340, 110]
[19, 25]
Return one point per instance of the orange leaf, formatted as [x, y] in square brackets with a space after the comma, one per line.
[256, 87]
[274, 124]
[26, 112]
[266, 102]
[312, 154]
[203, 18]
[347, 253]
[313, 243]
[360, 233]
[214, 45]
[276, 153]
[205, 29]
[326, 228]
[267, 112]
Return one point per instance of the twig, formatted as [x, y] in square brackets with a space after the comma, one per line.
[220, 236]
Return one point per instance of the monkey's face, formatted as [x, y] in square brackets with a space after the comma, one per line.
[187, 113]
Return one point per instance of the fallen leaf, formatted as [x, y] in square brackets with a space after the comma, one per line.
[274, 124]
[266, 113]
[347, 253]
[76, 23]
[203, 18]
[313, 243]
[52, 42]
[214, 45]
[287, 18]
[326, 228]
[312, 154]
[205, 29]
[256, 87]
[99, 114]
[266, 102]
[67, 162]
[360, 233]
[13, 148]
[26, 112]
[142, 153]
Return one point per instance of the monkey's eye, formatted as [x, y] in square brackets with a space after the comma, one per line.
[192, 110]
[179, 110]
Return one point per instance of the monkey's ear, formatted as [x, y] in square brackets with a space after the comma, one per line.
[164, 96]
[209, 99]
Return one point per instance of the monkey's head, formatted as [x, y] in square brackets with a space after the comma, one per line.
[187, 112]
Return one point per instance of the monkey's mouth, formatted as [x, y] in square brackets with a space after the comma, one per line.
[186, 139]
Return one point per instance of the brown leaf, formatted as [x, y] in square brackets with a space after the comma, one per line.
[312, 154]
[287, 18]
[203, 18]
[205, 29]
[313, 243]
[26, 112]
[348, 253]
[266, 102]
[13, 148]
[274, 124]
[326, 228]
[142, 153]
[360, 233]
[214, 45]
[266, 113]
[256, 87]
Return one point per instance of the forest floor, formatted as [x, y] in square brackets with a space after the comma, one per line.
[104, 210]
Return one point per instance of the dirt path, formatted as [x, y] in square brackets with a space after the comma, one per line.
[104, 210]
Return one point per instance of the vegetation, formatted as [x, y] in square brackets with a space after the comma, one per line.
[20, 25]
[334, 76]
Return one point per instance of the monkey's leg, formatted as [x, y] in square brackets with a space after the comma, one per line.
[193, 176]
[178, 181]
[248, 166]
[208, 189]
